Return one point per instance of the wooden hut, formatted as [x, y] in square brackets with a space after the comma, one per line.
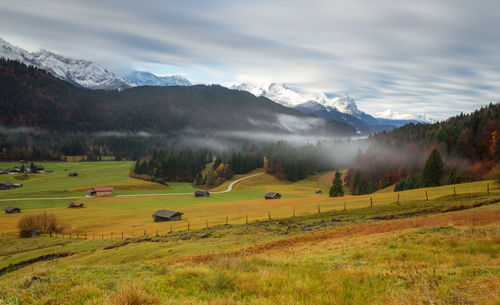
[101, 191]
[166, 215]
[12, 210]
[201, 194]
[272, 195]
[75, 205]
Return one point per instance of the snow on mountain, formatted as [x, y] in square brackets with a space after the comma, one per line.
[292, 97]
[143, 78]
[394, 115]
[80, 72]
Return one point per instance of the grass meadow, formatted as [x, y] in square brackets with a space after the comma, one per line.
[444, 250]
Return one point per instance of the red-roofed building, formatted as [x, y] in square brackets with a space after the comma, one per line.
[101, 191]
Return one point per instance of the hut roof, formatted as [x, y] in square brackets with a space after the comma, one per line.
[166, 213]
[103, 189]
[7, 183]
[271, 194]
[11, 208]
[75, 204]
[201, 193]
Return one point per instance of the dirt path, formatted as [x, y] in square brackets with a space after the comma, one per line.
[463, 218]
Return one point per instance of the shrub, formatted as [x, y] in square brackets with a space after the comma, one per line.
[41, 223]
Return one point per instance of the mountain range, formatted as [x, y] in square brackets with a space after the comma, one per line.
[30, 97]
[86, 74]
[339, 108]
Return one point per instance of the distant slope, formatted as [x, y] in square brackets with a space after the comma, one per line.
[30, 97]
[144, 78]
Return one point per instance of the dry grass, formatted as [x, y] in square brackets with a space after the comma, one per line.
[133, 294]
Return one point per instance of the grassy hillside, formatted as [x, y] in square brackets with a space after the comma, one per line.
[440, 258]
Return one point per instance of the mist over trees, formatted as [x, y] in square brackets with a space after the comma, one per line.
[468, 145]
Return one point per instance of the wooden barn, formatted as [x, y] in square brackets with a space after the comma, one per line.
[166, 215]
[12, 210]
[201, 194]
[101, 191]
[272, 195]
[6, 185]
[75, 205]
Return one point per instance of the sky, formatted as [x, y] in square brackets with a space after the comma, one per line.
[438, 57]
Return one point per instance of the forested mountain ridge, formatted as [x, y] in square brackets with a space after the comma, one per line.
[30, 97]
[469, 145]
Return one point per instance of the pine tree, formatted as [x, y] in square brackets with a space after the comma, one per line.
[337, 190]
[433, 169]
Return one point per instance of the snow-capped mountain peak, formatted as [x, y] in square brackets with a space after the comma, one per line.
[144, 78]
[292, 97]
[80, 72]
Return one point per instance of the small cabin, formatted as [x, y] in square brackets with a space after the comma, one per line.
[75, 205]
[318, 191]
[12, 210]
[201, 194]
[272, 195]
[166, 215]
[101, 191]
[6, 185]
[72, 174]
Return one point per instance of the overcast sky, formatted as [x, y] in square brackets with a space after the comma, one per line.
[436, 57]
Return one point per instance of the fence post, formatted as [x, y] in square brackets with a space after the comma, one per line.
[77, 235]
[122, 235]
[133, 234]
[426, 196]
[188, 225]
[93, 237]
[63, 235]
[102, 236]
[156, 233]
[398, 198]
[50, 234]
[293, 211]
[226, 219]
[111, 235]
[455, 193]
[345, 204]
[488, 188]
[69, 235]
[371, 202]
[247, 218]
[319, 211]
[85, 235]
[206, 223]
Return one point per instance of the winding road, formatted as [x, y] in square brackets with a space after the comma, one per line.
[229, 188]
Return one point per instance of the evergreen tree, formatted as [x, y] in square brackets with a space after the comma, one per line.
[33, 168]
[433, 169]
[337, 189]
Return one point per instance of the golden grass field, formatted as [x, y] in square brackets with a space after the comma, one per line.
[444, 250]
